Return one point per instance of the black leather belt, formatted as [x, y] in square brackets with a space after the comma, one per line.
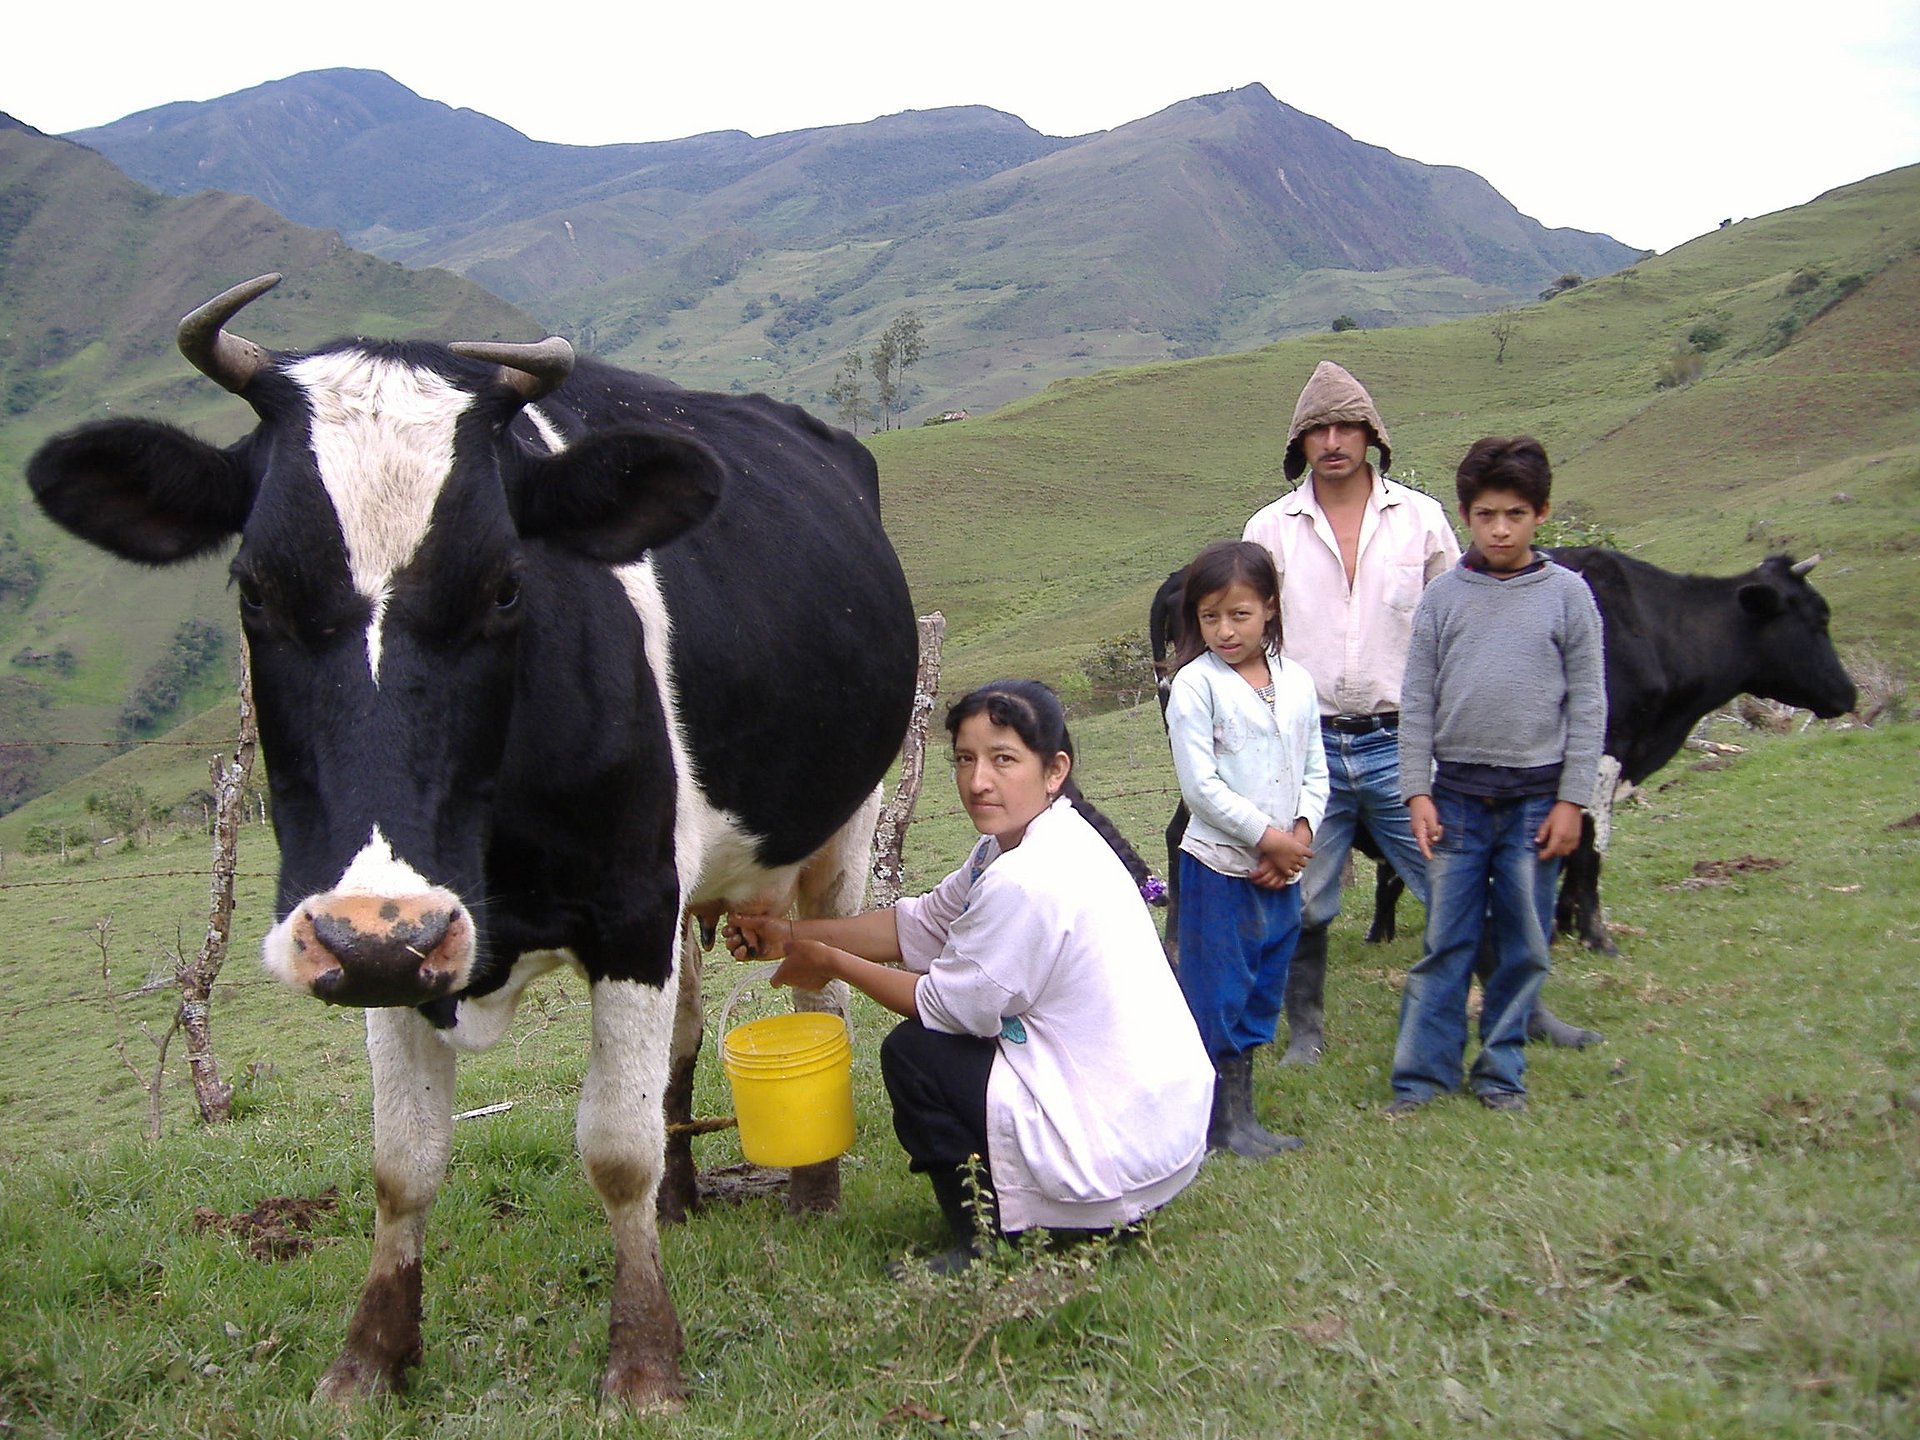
[1361, 724]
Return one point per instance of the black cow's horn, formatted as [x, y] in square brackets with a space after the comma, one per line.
[230, 360]
[533, 370]
[1800, 567]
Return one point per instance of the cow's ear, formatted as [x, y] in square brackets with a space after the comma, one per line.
[143, 490]
[1760, 602]
[615, 495]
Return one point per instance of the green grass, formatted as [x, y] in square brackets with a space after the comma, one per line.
[1702, 1228]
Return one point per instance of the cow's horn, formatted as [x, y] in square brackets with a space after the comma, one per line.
[230, 360]
[1800, 567]
[533, 370]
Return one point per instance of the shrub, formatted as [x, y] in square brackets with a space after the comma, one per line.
[1682, 367]
[1118, 671]
[1707, 336]
[1804, 279]
[1344, 322]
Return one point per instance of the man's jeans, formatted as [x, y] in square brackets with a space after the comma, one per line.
[1363, 773]
[1485, 871]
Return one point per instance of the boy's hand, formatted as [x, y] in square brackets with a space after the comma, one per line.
[1427, 829]
[1559, 833]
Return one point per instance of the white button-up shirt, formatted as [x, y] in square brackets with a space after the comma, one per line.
[1352, 637]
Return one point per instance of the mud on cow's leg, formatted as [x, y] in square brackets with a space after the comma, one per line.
[413, 1071]
[621, 1131]
[680, 1179]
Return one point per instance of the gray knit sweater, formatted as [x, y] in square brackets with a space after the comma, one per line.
[1505, 672]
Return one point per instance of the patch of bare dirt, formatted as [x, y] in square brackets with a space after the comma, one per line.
[276, 1228]
[744, 1181]
[1725, 872]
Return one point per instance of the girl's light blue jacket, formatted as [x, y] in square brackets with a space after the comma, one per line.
[1244, 764]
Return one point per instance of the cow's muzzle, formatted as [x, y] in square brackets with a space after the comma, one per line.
[374, 950]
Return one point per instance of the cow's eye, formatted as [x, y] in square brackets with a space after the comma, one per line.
[250, 600]
[507, 595]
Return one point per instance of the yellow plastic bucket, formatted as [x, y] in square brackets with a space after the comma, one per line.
[792, 1079]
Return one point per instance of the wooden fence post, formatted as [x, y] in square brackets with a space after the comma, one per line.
[195, 978]
[889, 836]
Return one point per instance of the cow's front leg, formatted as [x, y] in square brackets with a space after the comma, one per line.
[622, 1135]
[413, 1072]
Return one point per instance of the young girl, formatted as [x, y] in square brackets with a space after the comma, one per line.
[1245, 729]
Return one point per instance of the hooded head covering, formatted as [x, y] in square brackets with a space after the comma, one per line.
[1332, 396]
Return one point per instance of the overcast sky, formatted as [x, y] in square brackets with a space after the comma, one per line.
[1651, 123]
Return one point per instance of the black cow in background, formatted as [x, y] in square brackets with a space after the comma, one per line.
[1677, 648]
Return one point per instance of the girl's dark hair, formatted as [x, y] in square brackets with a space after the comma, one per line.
[1494, 463]
[1221, 564]
[1034, 713]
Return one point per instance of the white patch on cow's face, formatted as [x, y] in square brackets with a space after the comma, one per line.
[382, 440]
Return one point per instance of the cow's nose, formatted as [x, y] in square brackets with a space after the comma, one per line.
[398, 939]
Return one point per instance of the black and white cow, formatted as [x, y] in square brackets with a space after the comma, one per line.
[544, 654]
[1677, 648]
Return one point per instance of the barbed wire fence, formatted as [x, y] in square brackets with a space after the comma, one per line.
[232, 803]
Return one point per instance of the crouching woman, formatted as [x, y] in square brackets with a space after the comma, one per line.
[1044, 1033]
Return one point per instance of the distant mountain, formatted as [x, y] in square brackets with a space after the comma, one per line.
[1218, 224]
[95, 273]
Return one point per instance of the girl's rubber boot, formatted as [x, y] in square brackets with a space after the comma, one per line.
[1233, 1127]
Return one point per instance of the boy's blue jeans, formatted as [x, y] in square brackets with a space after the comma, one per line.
[1485, 871]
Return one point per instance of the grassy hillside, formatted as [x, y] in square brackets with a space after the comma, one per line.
[1703, 1228]
[1042, 530]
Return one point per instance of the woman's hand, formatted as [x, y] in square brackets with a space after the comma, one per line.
[758, 937]
[808, 965]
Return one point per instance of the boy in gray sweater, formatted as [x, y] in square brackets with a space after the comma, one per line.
[1502, 711]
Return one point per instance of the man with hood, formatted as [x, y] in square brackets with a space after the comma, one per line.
[1354, 551]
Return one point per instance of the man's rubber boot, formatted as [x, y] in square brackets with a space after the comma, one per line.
[1306, 999]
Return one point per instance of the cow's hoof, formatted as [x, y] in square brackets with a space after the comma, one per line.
[1555, 1031]
[350, 1380]
[679, 1193]
[814, 1189]
[1304, 1050]
[646, 1390]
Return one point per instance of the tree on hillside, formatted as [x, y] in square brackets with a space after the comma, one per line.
[1504, 319]
[848, 399]
[899, 348]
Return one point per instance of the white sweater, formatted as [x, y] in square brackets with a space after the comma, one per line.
[1244, 763]
[1098, 1101]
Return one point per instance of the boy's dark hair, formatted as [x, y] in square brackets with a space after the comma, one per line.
[1519, 464]
[1221, 564]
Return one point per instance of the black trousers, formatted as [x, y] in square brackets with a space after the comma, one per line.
[938, 1086]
